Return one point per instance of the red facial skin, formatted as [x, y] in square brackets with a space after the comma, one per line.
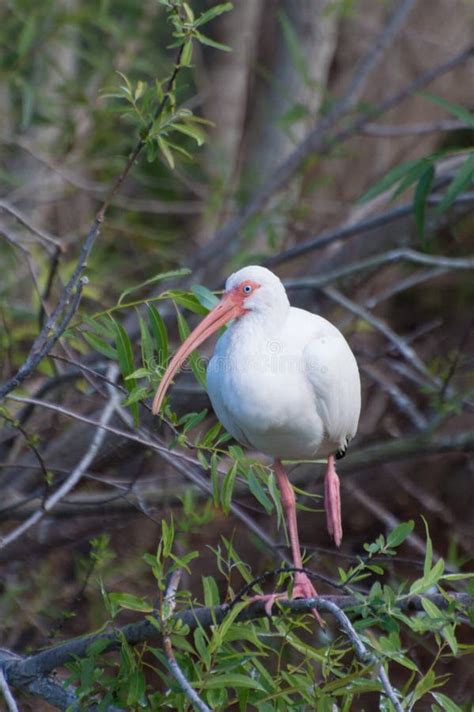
[231, 306]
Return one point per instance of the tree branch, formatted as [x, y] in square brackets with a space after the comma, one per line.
[58, 321]
[44, 662]
[76, 474]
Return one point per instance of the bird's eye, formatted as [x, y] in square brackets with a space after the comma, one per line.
[247, 288]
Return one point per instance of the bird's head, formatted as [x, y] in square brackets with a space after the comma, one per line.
[253, 290]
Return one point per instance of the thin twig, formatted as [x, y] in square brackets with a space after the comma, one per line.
[18, 215]
[7, 695]
[75, 475]
[175, 669]
[417, 129]
[314, 141]
[401, 254]
[59, 319]
[403, 402]
[347, 231]
[405, 350]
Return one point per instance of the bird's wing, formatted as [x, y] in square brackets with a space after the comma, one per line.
[332, 372]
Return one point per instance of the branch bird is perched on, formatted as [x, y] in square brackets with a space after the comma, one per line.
[282, 381]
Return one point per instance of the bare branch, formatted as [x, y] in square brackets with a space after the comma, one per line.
[18, 215]
[401, 254]
[407, 351]
[7, 695]
[58, 321]
[47, 660]
[347, 231]
[76, 474]
[316, 140]
[173, 664]
[420, 128]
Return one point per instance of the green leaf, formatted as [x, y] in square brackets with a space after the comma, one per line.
[203, 39]
[215, 478]
[204, 296]
[160, 277]
[192, 131]
[458, 111]
[187, 54]
[429, 580]
[100, 345]
[390, 179]
[160, 334]
[464, 178]
[421, 194]
[448, 634]
[138, 394]
[194, 359]
[130, 602]
[189, 301]
[146, 342]
[228, 487]
[231, 680]
[429, 550]
[447, 704]
[211, 592]
[400, 533]
[258, 492]
[125, 359]
[212, 13]
[423, 686]
[166, 151]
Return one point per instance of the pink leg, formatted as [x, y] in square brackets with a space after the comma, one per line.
[303, 588]
[332, 502]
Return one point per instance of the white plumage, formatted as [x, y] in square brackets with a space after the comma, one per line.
[282, 380]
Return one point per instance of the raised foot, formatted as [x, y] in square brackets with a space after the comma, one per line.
[303, 588]
[332, 502]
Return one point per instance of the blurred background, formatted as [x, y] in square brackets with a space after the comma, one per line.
[256, 192]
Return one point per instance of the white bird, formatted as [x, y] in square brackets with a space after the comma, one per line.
[282, 381]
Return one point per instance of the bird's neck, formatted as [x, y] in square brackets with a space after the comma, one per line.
[258, 327]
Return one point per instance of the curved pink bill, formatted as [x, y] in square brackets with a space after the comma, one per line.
[228, 308]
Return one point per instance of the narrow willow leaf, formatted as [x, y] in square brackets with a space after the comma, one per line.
[258, 492]
[400, 533]
[160, 334]
[130, 602]
[429, 550]
[195, 361]
[421, 194]
[189, 301]
[146, 342]
[231, 679]
[463, 179]
[203, 39]
[160, 277]
[390, 179]
[212, 13]
[204, 296]
[187, 54]
[228, 487]
[125, 359]
[192, 131]
[447, 704]
[215, 479]
[458, 111]
[99, 345]
[165, 150]
[211, 592]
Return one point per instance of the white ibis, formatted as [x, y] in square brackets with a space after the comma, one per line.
[282, 381]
